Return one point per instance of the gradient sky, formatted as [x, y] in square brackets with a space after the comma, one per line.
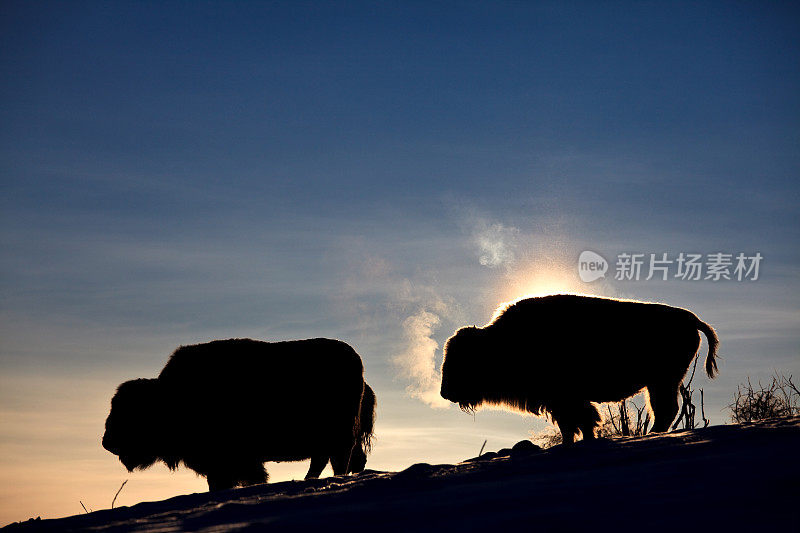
[382, 173]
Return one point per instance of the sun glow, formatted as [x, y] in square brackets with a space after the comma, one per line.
[542, 279]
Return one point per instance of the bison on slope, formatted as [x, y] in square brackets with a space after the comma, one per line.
[555, 355]
[225, 407]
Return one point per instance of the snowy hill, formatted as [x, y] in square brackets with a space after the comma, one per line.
[735, 478]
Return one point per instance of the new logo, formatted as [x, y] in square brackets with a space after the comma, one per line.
[591, 266]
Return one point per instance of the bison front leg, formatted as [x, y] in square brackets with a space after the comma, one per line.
[567, 424]
[318, 463]
[219, 481]
[228, 475]
[568, 431]
[254, 474]
[590, 421]
[572, 416]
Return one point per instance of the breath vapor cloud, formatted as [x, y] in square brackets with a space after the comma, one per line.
[496, 242]
[418, 362]
[383, 298]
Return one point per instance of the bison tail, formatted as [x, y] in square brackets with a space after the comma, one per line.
[364, 433]
[713, 344]
[366, 419]
[365, 441]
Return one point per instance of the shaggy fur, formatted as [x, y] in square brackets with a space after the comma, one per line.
[225, 407]
[555, 355]
[358, 461]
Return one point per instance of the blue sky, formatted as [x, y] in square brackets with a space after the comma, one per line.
[178, 172]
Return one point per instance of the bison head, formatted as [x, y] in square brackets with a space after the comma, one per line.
[358, 461]
[462, 370]
[132, 428]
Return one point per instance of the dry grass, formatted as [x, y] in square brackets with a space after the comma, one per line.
[117, 494]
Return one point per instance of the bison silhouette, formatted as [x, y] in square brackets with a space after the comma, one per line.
[555, 355]
[225, 407]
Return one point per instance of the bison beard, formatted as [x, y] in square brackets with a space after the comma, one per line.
[225, 407]
[556, 355]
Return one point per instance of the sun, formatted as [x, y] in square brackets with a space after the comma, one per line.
[541, 279]
[544, 279]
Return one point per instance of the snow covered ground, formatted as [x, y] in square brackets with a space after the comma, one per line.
[734, 478]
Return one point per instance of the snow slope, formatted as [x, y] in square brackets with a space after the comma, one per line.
[735, 478]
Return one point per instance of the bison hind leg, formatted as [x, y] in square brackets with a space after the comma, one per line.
[663, 398]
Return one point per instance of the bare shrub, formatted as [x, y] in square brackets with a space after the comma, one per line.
[780, 398]
[621, 424]
[548, 438]
[688, 409]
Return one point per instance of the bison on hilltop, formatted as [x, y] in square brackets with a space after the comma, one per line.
[556, 355]
[225, 407]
